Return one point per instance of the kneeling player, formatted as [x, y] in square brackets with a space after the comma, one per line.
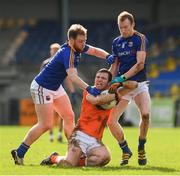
[85, 147]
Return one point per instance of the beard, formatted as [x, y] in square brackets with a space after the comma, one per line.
[78, 49]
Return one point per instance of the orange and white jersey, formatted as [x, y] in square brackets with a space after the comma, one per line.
[92, 120]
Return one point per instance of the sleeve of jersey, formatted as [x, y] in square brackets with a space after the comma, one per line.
[142, 43]
[68, 59]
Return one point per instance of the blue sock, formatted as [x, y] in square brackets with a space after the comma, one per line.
[124, 147]
[21, 151]
[141, 144]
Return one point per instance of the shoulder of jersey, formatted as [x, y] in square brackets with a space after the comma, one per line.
[117, 39]
[64, 47]
[139, 35]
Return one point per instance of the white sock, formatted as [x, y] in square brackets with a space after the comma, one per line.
[51, 137]
[59, 158]
[59, 134]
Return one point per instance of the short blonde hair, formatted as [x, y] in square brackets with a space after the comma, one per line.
[55, 45]
[125, 15]
[75, 30]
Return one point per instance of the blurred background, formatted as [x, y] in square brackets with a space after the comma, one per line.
[27, 28]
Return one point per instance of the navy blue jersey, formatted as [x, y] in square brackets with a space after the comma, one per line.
[126, 49]
[54, 73]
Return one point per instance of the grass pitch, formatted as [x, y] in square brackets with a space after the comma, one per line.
[163, 153]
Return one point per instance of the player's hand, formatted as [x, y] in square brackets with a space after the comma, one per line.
[110, 59]
[93, 91]
[118, 79]
[113, 88]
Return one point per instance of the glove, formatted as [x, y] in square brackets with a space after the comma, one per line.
[119, 79]
[93, 90]
[110, 59]
[113, 88]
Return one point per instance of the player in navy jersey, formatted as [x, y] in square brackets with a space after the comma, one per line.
[130, 50]
[54, 47]
[47, 91]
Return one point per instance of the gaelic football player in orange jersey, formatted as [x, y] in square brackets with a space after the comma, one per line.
[87, 135]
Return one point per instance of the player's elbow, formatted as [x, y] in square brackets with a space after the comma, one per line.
[72, 76]
[140, 65]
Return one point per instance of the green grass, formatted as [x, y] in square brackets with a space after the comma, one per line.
[163, 152]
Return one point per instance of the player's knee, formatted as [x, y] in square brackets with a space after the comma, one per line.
[104, 159]
[145, 117]
[47, 126]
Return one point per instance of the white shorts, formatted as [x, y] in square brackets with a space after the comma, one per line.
[85, 142]
[42, 95]
[142, 87]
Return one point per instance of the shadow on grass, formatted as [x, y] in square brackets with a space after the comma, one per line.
[121, 168]
[148, 168]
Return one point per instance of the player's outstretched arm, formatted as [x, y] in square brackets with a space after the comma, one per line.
[141, 56]
[114, 68]
[127, 87]
[98, 52]
[73, 75]
[69, 85]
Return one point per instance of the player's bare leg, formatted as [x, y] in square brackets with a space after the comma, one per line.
[72, 159]
[45, 122]
[117, 130]
[143, 102]
[117, 111]
[114, 116]
[73, 156]
[98, 156]
[63, 107]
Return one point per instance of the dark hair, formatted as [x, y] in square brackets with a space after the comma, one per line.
[125, 15]
[75, 30]
[104, 70]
